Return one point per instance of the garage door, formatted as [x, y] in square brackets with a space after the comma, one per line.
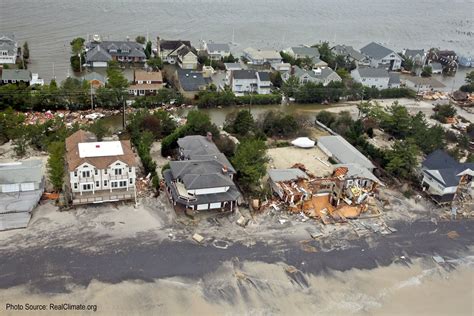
[215, 205]
[10, 188]
[202, 206]
[27, 186]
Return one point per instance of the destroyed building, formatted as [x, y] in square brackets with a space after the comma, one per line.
[345, 194]
[21, 187]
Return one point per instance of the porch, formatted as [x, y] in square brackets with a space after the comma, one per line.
[103, 196]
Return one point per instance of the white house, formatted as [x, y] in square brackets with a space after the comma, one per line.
[379, 55]
[99, 172]
[8, 49]
[202, 179]
[418, 56]
[443, 175]
[250, 81]
[217, 51]
[177, 52]
[260, 57]
[371, 77]
[16, 76]
[323, 75]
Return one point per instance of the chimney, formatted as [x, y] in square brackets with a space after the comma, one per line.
[209, 136]
[224, 169]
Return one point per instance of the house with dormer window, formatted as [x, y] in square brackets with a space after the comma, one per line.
[98, 54]
[99, 172]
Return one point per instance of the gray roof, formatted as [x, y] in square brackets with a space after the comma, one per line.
[348, 51]
[303, 51]
[230, 195]
[376, 51]
[264, 75]
[173, 44]
[445, 168]
[94, 76]
[215, 47]
[278, 175]
[368, 72]
[343, 151]
[244, 74]
[192, 80]
[8, 37]
[16, 74]
[322, 74]
[200, 174]
[233, 66]
[9, 47]
[98, 54]
[26, 171]
[412, 53]
[197, 147]
[357, 171]
[394, 78]
[124, 48]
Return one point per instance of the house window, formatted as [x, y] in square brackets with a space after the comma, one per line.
[97, 184]
[96, 172]
[86, 174]
[114, 184]
[86, 187]
[131, 180]
[118, 172]
[105, 183]
[123, 183]
[75, 173]
[105, 171]
[75, 186]
[129, 169]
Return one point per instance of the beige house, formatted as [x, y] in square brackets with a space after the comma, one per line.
[146, 82]
[99, 172]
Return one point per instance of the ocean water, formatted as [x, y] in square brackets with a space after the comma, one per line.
[49, 25]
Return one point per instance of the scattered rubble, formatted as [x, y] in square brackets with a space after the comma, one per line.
[198, 238]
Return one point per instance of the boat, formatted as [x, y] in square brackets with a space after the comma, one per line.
[303, 142]
[466, 61]
[96, 38]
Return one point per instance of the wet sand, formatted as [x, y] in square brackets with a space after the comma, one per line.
[256, 288]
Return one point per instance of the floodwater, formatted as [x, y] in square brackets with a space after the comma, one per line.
[49, 25]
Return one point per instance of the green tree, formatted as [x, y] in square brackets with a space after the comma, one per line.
[326, 53]
[306, 63]
[242, 124]
[408, 64]
[140, 39]
[326, 117]
[427, 71]
[402, 158]
[275, 78]
[290, 87]
[250, 162]
[444, 111]
[56, 164]
[26, 52]
[77, 45]
[99, 129]
[117, 83]
[155, 63]
[148, 49]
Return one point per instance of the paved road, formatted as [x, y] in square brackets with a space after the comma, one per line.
[50, 270]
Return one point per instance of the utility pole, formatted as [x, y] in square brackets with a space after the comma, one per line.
[123, 111]
[92, 98]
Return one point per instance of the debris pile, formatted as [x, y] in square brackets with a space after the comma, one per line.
[347, 194]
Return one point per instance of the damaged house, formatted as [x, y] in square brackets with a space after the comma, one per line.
[345, 194]
[21, 187]
[202, 178]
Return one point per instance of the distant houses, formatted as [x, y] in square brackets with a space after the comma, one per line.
[98, 54]
[323, 75]
[250, 81]
[203, 177]
[421, 84]
[378, 78]
[146, 82]
[350, 54]
[99, 172]
[95, 79]
[8, 48]
[417, 56]
[260, 57]
[381, 56]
